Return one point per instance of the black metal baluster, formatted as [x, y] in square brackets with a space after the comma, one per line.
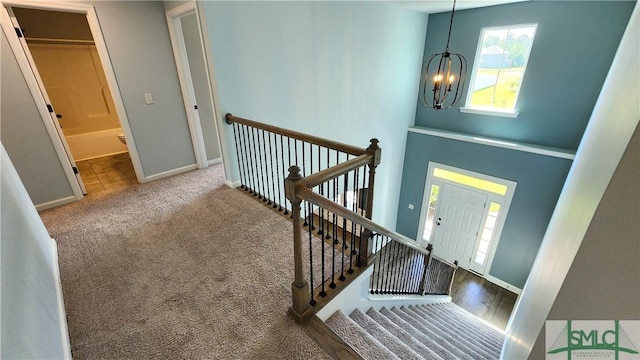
[240, 165]
[327, 235]
[398, 272]
[381, 261]
[254, 160]
[264, 171]
[333, 252]
[284, 168]
[258, 163]
[246, 156]
[271, 172]
[295, 144]
[323, 293]
[321, 191]
[345, 179]
[354, 204]
[389, 272]
[313, 301]
[280, 183]
[304, 174]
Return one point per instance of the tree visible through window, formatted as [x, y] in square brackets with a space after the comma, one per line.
[499, 67]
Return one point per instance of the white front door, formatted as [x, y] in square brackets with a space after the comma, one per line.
[458, 217]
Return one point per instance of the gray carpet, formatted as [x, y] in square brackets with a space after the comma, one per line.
[182, 267]
[436, 332]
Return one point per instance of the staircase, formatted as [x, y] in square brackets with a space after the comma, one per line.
[435, 331]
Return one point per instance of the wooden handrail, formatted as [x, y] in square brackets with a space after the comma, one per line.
[325, 175]
[308, 195]
[345, 148]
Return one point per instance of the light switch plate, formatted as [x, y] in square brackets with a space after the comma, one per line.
[148, 98]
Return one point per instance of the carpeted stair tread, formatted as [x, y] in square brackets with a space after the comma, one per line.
[454, 341]
[404, 336]
[443, 313]
[444, 326]
[387, 339]
[469, 319]
[429, 339]
[360, 340]
[463, 329]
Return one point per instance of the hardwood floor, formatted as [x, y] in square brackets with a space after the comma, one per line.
[107, 173]
[482, 298]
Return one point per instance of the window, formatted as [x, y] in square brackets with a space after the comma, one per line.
[431, 212]
[500, 63]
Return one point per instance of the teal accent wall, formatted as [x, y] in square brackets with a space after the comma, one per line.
[539, 181]
[347, 71]
[571, 55]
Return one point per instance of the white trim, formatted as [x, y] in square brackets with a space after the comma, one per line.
[503, 200]
[492, 112]
[55, 203]
[33, 83]
[62, 316]
[184, 75]
[506, 144]
[503, 284]
[356, 296]
[219, 118]
[165, 174]
[496, 112]
[233, 184]
[101, 47]
[214, 161]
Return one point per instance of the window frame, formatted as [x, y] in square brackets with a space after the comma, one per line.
[481, 110]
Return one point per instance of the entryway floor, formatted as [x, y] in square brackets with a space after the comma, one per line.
[482, 298]
[107, 173]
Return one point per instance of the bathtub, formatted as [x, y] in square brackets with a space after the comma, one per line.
[95, 144]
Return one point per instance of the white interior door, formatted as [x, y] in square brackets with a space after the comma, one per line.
[458, 217]
[78, 187]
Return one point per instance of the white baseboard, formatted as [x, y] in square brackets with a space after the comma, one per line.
[234, 184]
[214, 161]
[165, 174]
[503, 284]
[54, 203]
[62, 315]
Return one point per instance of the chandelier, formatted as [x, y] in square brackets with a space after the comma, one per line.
[442, 87]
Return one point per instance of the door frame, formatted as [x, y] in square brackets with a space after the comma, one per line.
[184, 76]
[39, 93]
[503, 200]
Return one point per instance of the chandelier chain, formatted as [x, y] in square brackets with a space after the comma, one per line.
[450, 25]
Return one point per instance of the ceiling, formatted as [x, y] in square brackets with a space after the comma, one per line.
[436, 6]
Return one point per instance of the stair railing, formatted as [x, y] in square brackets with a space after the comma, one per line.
[400, 265]
[329, 193]
[265, 152]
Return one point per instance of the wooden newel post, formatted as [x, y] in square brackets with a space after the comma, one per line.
[453, 275]
[366, 256]
[299, 287]
[427, 261]
[374, 150]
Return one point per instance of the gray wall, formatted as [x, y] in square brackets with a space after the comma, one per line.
[138, 42]
[31, 322]
[539, 182]
[197, 67]
[569, 60]
[604, 282]
[346, 71]
[25, 138]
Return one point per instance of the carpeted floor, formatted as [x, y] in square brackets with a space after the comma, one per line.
[182, 267]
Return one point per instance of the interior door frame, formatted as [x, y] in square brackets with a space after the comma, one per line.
[39, 93]
[503, 200]
[184, 76]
